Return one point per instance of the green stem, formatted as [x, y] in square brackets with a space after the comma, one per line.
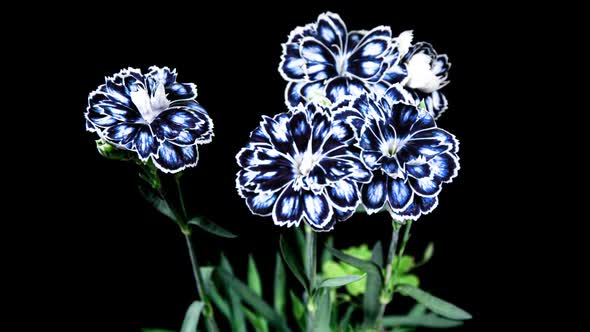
[310, 270]
[180, 196]
[388, 270]
[209, 319]
[402, 248]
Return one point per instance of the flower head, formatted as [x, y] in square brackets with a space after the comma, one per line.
[420, 71]
[324, 59]
[150, 114]
[410, 157]
[302, 165]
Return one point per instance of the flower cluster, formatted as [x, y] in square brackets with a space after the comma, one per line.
[360, 128]
[152, 115]
[324, 59]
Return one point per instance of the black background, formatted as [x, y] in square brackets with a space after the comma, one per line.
[117, 265]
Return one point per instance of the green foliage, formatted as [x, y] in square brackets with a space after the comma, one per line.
[243, 292]
[332, 269]
[191, 318]
[280, 286]
[433, 303]
[211, 227]
[294, 262]
[339, 281]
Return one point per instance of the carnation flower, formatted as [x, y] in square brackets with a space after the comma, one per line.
[324, 59]
[152, 115]
[302, 165]
[410, 157]
[420, 71]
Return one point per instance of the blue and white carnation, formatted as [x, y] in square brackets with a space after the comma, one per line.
[325, 60]
[150, 114]
[420, 72]
[409, 155]
[302, 165]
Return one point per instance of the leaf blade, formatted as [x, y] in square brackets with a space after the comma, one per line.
[434, 303]
[428, 320]
[249, 297]
[191, 318]
[280, 286]
[211, 227]
[340, 281]
[294, 264]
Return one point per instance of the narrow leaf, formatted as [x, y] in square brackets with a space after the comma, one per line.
[259, 324]
[191, 319]
[340, 281]
[253, 277]
[293, 262]
[238, 321]
[428, 320]
[322, 319]
[298, 310]
[280, 289]
[326, 255]
[377, 254]
[346, 318]
[211, 227]
[248, 296]
[213, 293]
[152, 197]
[433, 303]
[371, 303]
[300, 240]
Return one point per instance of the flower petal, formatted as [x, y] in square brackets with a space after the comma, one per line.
[419, 171]
[122, 133]
[292, 64]
[320, 62]
[444, 167]
[374, 194]
[145, 143]
[293, 96]
[425, 186]
[399, 194]
[260, 203]
[300, 130]
[173, 158]
[288, 209]
[317, 209]
[344, 194]
[391, 166]
[342, 87]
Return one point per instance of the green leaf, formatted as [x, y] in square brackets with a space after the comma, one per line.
[408, 279]
[322, 318]
[417, 310]
[213, 293]
[248, 296]
[326, 255]
[211, 227]
[280, 289]
[433, 303]
[157, 202]
[258, 323]
[238, 321]
[253, 277]
[191, 318]
[371, 303]
[422, 105]
[428, 252]
[293, 262]
[428, 320]
[340, 281]
[300, 240]
[344, 321]
[377, 254]
[298, 310]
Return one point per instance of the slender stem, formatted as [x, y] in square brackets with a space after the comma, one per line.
[388, 270]
[209, 319]
[310, 270]
[402, 248]
[180, 196]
